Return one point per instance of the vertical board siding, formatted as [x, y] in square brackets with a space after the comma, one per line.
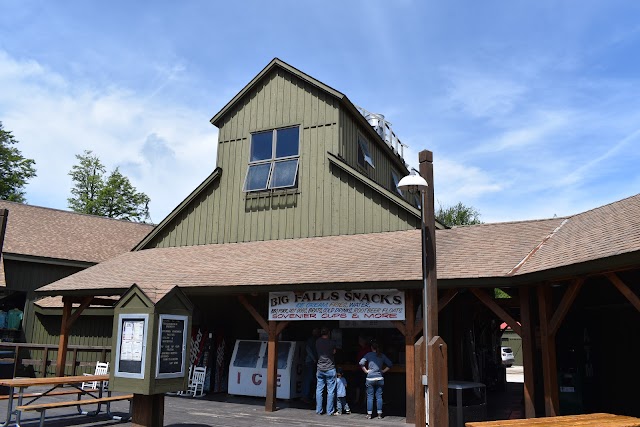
[28, 276]
[327, 201]
[86, 331]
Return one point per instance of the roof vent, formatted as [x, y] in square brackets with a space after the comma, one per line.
[383, 128]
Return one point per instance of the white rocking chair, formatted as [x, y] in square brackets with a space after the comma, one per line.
[102, 368]
[196, 385]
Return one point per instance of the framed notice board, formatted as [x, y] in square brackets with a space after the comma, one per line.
[172, 346]
[131, 348]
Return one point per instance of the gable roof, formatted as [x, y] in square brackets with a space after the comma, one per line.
[499, 254]
[204, 185]
[34, 231]
[342, 98]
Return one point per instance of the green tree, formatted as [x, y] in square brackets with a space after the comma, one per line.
[15, 170]
[458, 214]
[112, 196]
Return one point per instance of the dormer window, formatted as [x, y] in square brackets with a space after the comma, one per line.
[273, 160]
[395, 180]
[364, 155]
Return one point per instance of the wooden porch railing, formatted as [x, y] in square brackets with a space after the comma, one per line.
[19, 359]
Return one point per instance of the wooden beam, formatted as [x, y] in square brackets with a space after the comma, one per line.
[263, 324]
[95, 301]
[565, 304]
[272, 367]
[64, 339]
[624, 290]
[527, 352]
[499, 311]
[86, 302]
[548, 344]
[448, 296]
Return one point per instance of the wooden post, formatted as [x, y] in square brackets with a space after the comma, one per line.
[409, 351]
[74, 362]
[438, 383]
[548, 344]
[65, 329]
[527, 352]
[431, 309]
[64, 337]
[147, 411]
[45, 360]
[430, 303]
[272, 368]
[419, 370]
[16, 360]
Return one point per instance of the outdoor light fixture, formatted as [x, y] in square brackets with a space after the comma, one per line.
[415, 183]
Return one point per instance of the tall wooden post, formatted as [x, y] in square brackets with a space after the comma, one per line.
[430, 303]
[409, 351]
[147, 410]
[527, 352]
[64, 337]
[548, 344]
[272, 367]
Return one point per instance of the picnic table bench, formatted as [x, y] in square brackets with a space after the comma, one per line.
[42, 407]
[57, 384]
[586, 420]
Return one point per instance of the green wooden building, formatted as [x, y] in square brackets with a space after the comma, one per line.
[304, 199]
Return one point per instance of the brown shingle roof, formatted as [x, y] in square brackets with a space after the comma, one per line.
[52, 233]
[497, 250]
[606, 231]
[488, 250]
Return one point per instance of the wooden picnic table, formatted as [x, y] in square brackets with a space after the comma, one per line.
[21, 384]
[586, 420]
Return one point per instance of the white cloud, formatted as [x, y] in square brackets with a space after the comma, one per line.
[55, 118]
[482, 95]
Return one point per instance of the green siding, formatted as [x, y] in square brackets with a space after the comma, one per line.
[384, 163]
[86, 331]
[327, 201]
[27, 276]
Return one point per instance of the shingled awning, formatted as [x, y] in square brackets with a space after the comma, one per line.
[502, 253]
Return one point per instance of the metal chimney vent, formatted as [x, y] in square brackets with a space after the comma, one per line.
[383, 128]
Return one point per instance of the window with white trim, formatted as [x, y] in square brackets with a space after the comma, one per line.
[273, 160]
[364, 155]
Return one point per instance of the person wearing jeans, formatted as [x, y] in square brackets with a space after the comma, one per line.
[375, 364]
[326, 372]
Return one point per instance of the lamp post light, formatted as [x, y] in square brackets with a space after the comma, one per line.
[415, 184]
[435, 349]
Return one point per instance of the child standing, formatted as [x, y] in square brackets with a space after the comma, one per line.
[341, 392]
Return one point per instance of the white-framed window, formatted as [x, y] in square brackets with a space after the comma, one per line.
[273, 159]
[364, 155]
[396, 180]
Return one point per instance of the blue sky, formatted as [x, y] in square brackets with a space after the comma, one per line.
[532, 109]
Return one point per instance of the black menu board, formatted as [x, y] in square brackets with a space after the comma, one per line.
[171, 343]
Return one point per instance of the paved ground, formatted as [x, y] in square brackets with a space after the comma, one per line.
[515, 374]
[221, 410]
[215, 411]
